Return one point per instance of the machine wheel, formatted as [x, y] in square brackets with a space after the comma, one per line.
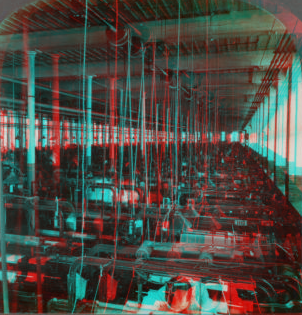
[174, 254]
[239, 259]
[206, 259]
[288, 271]
[178, 294]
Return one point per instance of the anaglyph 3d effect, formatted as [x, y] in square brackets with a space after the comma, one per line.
[151, 156]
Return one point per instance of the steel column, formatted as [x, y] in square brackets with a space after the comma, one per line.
[3, 243]
[112, 123]
[89, 123]
[31, 116]
[56, 110]
[290, 75]
[143, 131]
[276, 127]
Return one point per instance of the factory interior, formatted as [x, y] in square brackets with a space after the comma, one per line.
[151, 157]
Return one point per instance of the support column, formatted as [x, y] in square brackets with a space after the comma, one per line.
[262, 133]
[176, 132]
[5, 291]
[89, 124]
[276, 130]
[295, 118]
[156, 128]
[259, 129]
[288, 132]
[44, 132]
[143, 144]
[56, 111]
[17, 132]
[167, 131]
[112, 123]
[31, 115]
[40, 131]
[8, 123]
[271, 135]
[143, 132]
[121, 131]
[268, 131]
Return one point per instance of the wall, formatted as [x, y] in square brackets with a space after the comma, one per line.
[276, 133]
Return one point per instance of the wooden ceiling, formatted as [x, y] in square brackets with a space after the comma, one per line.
[225, 53]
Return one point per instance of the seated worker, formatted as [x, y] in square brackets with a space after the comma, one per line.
[184, 169]
[166, 170]
[193, 171]
[127, 167]
[165, 190]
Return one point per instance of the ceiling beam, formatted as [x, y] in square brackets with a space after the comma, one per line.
[222, 62]
[136, 84]
[221, 79]
[222, 25]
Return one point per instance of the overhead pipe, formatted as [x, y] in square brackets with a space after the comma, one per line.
[276, 60]
[76, 112]
[38, 86]
[279, 64]
[49, 90]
